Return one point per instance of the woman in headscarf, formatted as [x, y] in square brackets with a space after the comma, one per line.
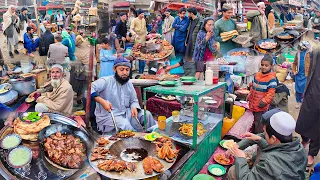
[68, 41]
[206, 47]
[10, 26]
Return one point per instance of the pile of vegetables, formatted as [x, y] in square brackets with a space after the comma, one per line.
[31, 116]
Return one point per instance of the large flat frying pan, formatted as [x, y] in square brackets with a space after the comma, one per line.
[249, 50]
[63, 129]
[284, 36]
[267, 40]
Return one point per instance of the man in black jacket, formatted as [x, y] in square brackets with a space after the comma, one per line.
[46, 39]
[121, 29]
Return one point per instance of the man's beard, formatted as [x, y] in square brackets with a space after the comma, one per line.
[120, 79]
[55, 82]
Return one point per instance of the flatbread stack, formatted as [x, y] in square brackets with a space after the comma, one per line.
[228, 35]
[29, 131]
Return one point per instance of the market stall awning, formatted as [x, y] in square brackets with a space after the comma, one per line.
[177, 6]
[121, 4]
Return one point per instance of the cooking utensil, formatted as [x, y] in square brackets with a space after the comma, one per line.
[118, 147]
[114, 122]
[248, 50]
[267, 40]
[23, 87]
[143, 130]
[64, 129]
[8, 97]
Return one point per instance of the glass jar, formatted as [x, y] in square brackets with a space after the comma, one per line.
[175, 116]
[162, 122]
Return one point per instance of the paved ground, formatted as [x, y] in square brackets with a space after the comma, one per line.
[292, 110]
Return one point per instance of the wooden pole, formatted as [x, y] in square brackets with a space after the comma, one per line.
[88, 96]
[36, 12]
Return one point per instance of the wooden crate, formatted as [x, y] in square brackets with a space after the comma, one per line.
[41, 77]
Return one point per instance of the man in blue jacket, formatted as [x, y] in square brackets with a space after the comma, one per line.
[29, 42]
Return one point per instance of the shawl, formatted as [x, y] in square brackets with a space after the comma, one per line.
[7, 18]
[60, 100]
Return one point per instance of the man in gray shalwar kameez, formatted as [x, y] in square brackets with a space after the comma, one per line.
[117, 93]
[10, 25]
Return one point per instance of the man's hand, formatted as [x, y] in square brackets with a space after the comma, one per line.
[9, 121]
[106, 105]
[251, 136]
[80, 121]
[134, 113]
[228, 152]
[236, 152]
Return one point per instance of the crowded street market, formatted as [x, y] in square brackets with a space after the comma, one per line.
[159, 90]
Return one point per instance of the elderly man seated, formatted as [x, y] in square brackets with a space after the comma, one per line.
[117, 93]
[60, 99]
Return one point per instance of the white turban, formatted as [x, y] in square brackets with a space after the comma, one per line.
[260, 3]
[57, 66]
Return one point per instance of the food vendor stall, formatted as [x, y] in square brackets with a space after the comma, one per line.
[39, 167]
[198, 127]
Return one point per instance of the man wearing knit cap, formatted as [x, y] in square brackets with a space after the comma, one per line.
[60, 98]
[279, 155]
[259, 24]
[117, 93]
[138, 28]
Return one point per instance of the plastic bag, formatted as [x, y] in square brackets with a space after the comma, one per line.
[237, 112]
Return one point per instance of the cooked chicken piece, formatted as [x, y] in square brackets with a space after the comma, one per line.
[96, 156]
[149, 164]
[131, 166]
[103, 142]
[166, 152]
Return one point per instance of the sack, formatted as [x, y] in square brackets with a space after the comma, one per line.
[237, 112]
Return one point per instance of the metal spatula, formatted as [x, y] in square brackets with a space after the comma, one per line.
[114, 122]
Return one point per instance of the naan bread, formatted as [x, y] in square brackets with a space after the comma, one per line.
[29, 131]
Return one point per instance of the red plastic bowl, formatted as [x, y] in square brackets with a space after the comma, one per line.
[231, 159]
[215, 80]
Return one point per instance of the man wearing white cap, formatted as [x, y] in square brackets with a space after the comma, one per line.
[279, 155]
[58, 100]
[259, 23]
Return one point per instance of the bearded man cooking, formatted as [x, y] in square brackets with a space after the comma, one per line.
[117, 93]
[58, 100]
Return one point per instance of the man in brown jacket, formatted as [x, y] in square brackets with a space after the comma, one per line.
[60, 99]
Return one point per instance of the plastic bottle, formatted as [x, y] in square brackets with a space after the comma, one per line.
[208, 76]
[215, 68]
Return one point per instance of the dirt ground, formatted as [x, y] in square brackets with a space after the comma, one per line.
[292, 103]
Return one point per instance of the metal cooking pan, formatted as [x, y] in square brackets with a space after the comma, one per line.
[279, 37]
[64, 129]
[267, 40]
[249, 50]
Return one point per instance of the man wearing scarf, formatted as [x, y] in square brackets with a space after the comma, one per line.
[259, 23]
[60, 98]
[23, 23]
[117, 93]
[10, 26]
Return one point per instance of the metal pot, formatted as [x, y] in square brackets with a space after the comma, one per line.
[23, 87]
[8, 97]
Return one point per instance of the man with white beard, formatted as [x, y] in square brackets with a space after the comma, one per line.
[60, 99]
